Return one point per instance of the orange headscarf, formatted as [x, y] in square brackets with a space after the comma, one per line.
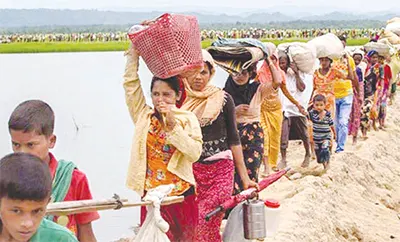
[265, 74]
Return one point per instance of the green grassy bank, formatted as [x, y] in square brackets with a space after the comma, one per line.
[108, 46]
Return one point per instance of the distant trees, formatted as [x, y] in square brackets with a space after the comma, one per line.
[82, 21]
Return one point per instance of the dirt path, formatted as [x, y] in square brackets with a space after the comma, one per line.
[358, 199]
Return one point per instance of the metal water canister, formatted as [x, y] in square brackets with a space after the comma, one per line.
[254, 220]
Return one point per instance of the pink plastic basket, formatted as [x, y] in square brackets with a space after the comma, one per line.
[170, 45]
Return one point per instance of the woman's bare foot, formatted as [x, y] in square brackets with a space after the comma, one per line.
[354, 140]
[282, 164]
[306, 161]
[265, 172]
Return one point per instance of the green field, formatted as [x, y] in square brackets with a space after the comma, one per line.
[109, 46]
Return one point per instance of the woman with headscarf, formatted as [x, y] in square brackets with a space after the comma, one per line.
[222, 150]
[248, 97]
[358, 100]
[372, 90]
[167, 142]
[271, 111]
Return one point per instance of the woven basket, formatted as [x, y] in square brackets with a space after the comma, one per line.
[170, 45]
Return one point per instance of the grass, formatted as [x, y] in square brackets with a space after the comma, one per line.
[62, 47]
[111, 46]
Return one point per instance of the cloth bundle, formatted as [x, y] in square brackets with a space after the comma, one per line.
[382, 48]
[302, 54]
[328, 45]
[393, 38]
[154, 227]
[393, 25]
[235, 55]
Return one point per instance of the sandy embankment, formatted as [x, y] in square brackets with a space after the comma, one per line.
[358, 199]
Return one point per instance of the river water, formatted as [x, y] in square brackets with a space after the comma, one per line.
[93, 126]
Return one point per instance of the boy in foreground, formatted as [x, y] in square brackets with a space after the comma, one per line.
[25, 189]
[31, 127]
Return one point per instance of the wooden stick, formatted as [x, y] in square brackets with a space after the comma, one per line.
[83, 203]
[84, 206]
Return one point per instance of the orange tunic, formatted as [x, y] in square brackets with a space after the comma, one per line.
[324, 85]
[158, 155]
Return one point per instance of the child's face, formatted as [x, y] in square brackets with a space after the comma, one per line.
[32, 143]
[381, 59]
[20, 218]
[357, 59]
[319, 106]
[374, 59]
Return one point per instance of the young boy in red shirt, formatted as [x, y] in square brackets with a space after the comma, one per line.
[31, 127]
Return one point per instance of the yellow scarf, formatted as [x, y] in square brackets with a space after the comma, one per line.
[208, 103]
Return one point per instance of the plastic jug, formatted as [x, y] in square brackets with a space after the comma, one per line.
[272, 216]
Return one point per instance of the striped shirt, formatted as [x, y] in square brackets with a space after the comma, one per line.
[321, 127]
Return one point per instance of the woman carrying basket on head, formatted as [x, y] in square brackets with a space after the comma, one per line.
[167, 142]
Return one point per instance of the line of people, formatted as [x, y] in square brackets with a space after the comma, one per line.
[256, 33]
[228, 133]
[262, 33]
[207, 141]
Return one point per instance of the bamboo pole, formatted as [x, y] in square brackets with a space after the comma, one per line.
[84, 206]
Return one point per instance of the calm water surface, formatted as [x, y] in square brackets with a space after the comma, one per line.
[93, 126]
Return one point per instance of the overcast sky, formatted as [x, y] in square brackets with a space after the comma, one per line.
[354, 5]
